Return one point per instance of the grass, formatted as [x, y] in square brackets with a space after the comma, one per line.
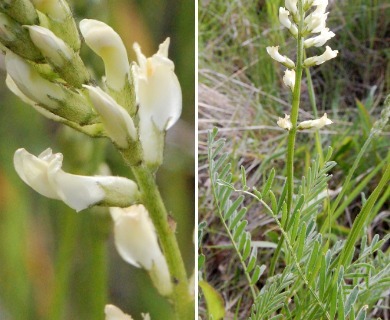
[241, 93]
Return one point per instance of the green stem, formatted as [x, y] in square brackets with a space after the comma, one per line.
[151, 198]
[292, 133]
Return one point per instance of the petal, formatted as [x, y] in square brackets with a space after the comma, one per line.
[135, 236]
[114, 313]
[106, 43]
[118, 123]
[160, 97]
[33, 171]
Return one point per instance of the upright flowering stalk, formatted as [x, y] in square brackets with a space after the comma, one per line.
[134, 105]
[303, 26]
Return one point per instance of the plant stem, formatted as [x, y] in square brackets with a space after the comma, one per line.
[151, 198]
[292, 133]
[294, 118]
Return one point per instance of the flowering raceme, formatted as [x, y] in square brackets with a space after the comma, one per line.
[293, 18]
[44, 175]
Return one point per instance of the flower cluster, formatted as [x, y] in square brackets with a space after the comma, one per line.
[134, 107]
[304, 18]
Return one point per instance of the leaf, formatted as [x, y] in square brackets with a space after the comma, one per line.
[234, 207]
[237, 218]
[257, 274]
[214, 301]
[240, 229]
[351, 300]
[269, 182]
[362, 313]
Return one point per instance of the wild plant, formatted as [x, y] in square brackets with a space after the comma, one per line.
[311, 275]
[133, 106]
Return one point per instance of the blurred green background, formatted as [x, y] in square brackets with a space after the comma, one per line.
[58, 264]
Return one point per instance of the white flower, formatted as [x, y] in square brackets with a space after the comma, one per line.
[317, 123]
[117, 122]
[289, 78]
[31, 83]
[44, 175]
[316, 22]
[274, 53]
[285, 122]
[283, 17]
[285, 21]
[160, 100]
[321, 6]
[317, 60]
[114, 313]
[291, 6]
[136, 242]
[319, 40]
[106, 43]
[50, 45]
[56, 9]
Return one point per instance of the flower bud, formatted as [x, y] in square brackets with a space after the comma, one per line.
[117, 122]
[52, 47]
[44, 175]
[285, 123]
[106, 43]
[64, 60]
[317, 123]
[274, 53]
[160, 100]
[289, 78]
[319, 40]
[66, 103]
[31, 83]
[21, 11]
[61, 20]
[317, 60]
[114, 313]
[16, 38]
[136, 242]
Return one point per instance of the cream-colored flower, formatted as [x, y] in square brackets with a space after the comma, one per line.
[52, 47]
[31, 83]
[56, 9]
[44, 175]
[317, 123]
[160, 100]
[117, 122]
[291, 6]
[289, 78]
[317, 60]
[316, 22]
[285, 21]
[136, 242]
[285, 122]
[319, 40]
[106, 43]
[114, 313]
[274, 53]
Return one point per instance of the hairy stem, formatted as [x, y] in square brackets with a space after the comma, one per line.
[151, 198]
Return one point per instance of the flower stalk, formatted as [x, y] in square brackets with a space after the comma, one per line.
[151, 198]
